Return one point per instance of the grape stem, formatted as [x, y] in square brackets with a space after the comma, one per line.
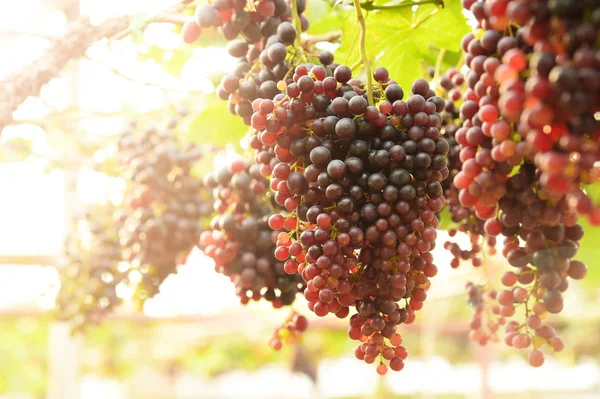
[370, 6]
[363, 51]
[117, 72]
[438, 63]
[355, 65]
[330, 37]
[172, 19]
[297, 25]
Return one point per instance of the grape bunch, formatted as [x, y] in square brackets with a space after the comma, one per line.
[234, 19]
[532, 95]
[258, 73]
[486, 320]
[164, 204]
[290, 332]
[541, 240]
[361, 186]
[527, 146]
[259, 40]
[88, 290]
[239, 239]
[450, 86]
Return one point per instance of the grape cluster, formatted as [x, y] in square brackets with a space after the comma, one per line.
[541, 240]
[528, 142]
[486, 319]
[234, 19]
[164, 204]
[89, 280]
[239, 239]
[259, 40]
[258, 73]
[361, 186]
[450, 86]
[533, 92]
[290, 332]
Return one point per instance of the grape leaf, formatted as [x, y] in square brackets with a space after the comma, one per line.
[216, 125]
[450, 59]
[593, 191]
[323, 16]
[445, 219]
[401, 39]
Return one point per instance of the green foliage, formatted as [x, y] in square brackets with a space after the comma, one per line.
[402, 39]
[450, 59]
[593, 191]
[24, 354]
[172, 60]
[445, 218]
[323, 17]
[215, 125]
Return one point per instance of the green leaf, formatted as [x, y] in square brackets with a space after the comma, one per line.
[171, 60]
[175, 62]
[446, 222]
[323, 16]
[216, 125]
[401, 39]
[593, 191]
[449, 60]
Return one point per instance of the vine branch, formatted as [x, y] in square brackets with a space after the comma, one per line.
[330, 37]
[80, 35]
[355, 65]
[363, 49]
[17, 86]
[117, 72]
[369, 6]
[438, 63]
[297, 24]
[175, 19]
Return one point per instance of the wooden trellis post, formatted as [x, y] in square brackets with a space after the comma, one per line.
[64, 349]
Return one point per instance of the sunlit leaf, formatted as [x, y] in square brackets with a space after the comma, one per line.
[401, 39]
[593, 191]
[446, 222]
[324, 18]
[216, 125]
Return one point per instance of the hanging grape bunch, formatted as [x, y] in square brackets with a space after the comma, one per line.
[362, 185]
[259, 40]
[239, 239]
[486, 320]
[234, 18]
[449, 86]
[89, 280]
[528, 143]
[532, 90]
[290, 332]
[164, 204]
